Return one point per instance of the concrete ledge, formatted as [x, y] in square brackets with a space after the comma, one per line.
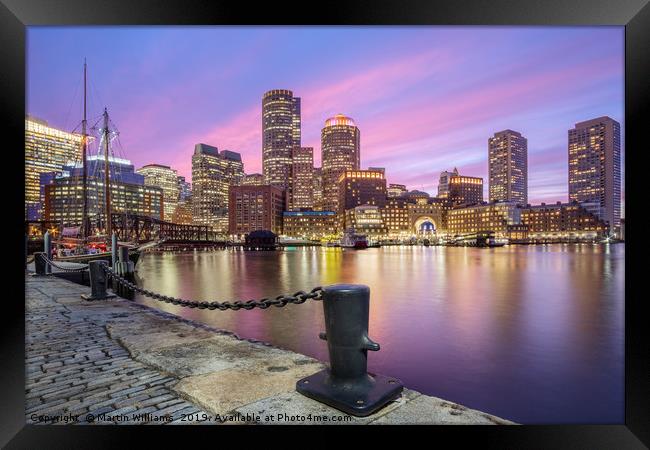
[206, 370]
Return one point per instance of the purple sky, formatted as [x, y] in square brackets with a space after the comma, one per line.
[426, 99]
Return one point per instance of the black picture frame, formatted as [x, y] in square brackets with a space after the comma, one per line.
[16, 15]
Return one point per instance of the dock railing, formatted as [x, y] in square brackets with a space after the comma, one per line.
[346, 384]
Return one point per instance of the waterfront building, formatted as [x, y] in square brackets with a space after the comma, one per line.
[395, 190]
[361, 187]
[213, 172]
[508, 167]
[498, 218]
[63, 200]
[255, 208]
[368, 220]
[427, 215]
[395, 215]
[301, 193]
[460, 189]
[595, 168]
[340, 151]
[464, 190]
[184, 189]
[119, 169]
[47, 149]
[166, 179]
[312, 225]
[183, 213]
[280, 134]
[253, 179]
[378, 169]
[415, 213]
[562, 221]
[518, 233]
[318, 188]
[62, 192]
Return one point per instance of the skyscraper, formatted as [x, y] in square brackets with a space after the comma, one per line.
[185, 189]
[443, 183]
[280, 134]
[340, 151]
[47, 150]
[508, 167]
[302, 183]
[213, 172]
[166, 179]
[595, 168]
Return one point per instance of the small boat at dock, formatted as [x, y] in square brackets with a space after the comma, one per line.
[354, 240]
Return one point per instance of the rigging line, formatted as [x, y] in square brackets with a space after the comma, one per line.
[94, 89]
[74, 96]
[116, 167]
[97, 119]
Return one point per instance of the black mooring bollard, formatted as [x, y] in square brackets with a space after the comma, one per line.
[347, 385]
[39, 263]
[98, 282]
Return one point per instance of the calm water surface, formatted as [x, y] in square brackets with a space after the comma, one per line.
[534, 334]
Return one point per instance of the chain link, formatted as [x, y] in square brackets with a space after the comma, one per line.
[65, 269]
[279, 301]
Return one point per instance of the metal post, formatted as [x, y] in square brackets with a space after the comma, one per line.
[347, 385]
[39, 263]
[47, 248]
[98, 282]
[124, 254]
[126, 269]
[125, 266]
[113, 249]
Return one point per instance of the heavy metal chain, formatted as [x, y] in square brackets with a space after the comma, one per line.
[279, 301]
[65, 269]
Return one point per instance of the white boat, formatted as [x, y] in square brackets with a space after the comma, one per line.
[354, 240]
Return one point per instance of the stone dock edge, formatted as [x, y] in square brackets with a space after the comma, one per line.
[119, 362]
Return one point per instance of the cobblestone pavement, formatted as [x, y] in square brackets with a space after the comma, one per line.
[74, 369]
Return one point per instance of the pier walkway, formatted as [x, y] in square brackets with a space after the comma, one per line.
[119, 362]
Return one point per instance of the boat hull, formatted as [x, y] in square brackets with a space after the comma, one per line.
[356, 246]
[134, 255]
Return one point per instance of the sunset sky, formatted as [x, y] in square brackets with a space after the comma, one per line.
[426, 99]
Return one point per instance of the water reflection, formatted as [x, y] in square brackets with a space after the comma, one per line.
[531, 333]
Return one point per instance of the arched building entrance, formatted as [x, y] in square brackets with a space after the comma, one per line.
[424, 226]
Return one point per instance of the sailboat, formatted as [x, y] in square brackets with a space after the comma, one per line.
[94, 247]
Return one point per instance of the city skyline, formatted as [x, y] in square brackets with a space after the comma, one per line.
[415, 118]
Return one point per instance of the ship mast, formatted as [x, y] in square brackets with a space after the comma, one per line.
[107, 188]
[84, 139]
